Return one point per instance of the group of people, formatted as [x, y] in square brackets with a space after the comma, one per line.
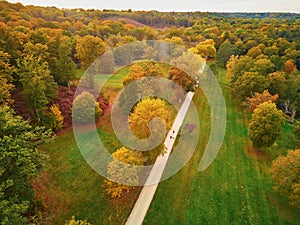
[172, 136]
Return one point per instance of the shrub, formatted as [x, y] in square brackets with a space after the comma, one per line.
[59, 119]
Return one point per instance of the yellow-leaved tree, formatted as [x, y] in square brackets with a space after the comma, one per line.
[265, 125]
[139, 120]
[285, 174]
[120, 169]
[59, 119]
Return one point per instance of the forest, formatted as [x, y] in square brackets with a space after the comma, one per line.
[44, 55]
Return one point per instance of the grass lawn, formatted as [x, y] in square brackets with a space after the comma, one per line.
[235, 189]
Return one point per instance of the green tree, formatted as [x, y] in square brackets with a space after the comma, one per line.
[277, 84]
[263, 66]
[265, 125]
[61, 65]
[224, 53]
[297, 132]
[37, 51]
[107, 63]
[285, 174]
[38, 84]
[278, 62]
[20, 163]
[85, 108]
[189, 63]
[292, 95]
[6, 69]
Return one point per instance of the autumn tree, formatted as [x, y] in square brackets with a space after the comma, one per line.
[175, 40]
[277, 84]
[6, 71]
[265, 125]
[285, 174]
[58, 119]
[122, 169]
[289, 67]
[237, 66]
[88, 49]
[143, 74]
[145, 69]
[263, 66]
[140, 118]
[249, 83]
[254, 52]
[260, 98]
[181, 78]
[206, 49]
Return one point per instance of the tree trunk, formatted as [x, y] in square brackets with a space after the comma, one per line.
[292, 120]
[286, 107]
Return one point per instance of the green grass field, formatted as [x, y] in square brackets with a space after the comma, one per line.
[235, 189]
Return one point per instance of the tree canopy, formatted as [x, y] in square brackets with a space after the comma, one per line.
[265, 125]
[285, 173]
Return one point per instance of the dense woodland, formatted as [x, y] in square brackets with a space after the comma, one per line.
[44, 51]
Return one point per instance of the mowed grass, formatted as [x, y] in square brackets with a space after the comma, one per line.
[73, 188]
[235, 189]
[114, 80]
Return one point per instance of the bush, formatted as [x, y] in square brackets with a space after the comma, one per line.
[73, 221]
[85, 109]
